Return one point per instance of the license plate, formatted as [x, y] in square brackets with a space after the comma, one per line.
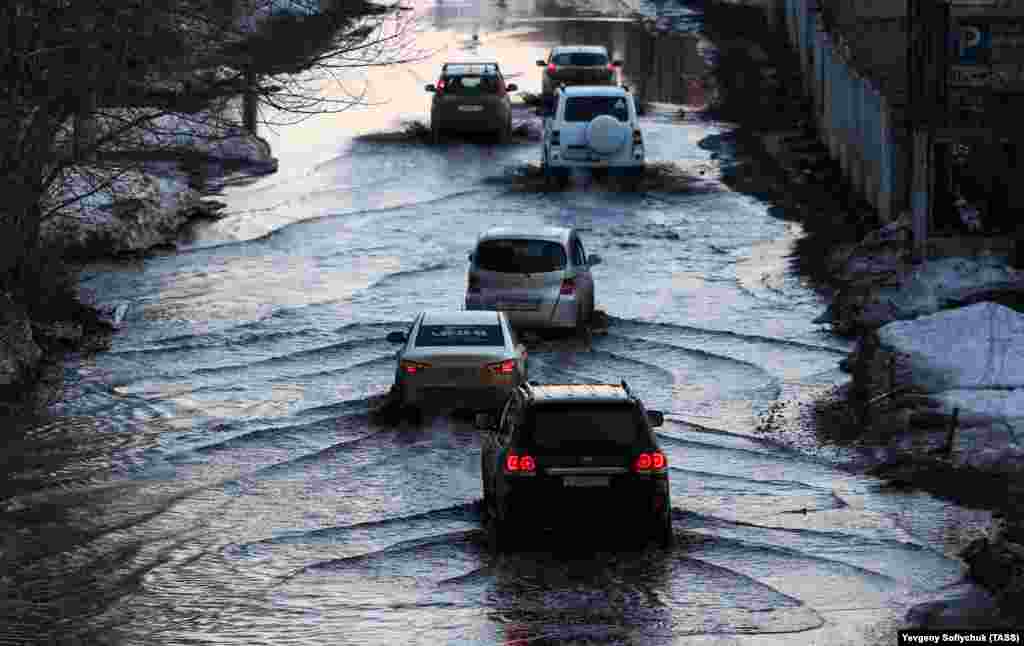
[463, 373]
[471, 108]
[587, 481]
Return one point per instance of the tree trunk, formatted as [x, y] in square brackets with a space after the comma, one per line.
[250, 104]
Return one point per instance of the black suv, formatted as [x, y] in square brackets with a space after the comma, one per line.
[574, 453]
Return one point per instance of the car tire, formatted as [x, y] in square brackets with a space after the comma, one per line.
[414, 415]
[606, 135]
[500, 537]
[662, 532]
[582, 323]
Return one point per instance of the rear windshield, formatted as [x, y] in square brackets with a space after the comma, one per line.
[585, 108]
[449, 335]
[580, 58]
[470, 85]
[520, 256]
[597, 429]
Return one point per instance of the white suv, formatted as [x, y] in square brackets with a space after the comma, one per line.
[593, 127]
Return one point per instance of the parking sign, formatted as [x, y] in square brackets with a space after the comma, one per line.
[973, 44]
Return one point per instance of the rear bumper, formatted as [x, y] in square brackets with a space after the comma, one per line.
[618, 169]
[543, 501]
[432, 396]
[560, 314]
[451, 120]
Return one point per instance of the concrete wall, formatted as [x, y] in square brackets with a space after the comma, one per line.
[855, 73]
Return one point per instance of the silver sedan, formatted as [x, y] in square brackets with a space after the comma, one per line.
[462, 359]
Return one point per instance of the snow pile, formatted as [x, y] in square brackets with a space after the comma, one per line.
[135, 212]
[881, 286]
[208, 134]
[971, 359]
[939, 283]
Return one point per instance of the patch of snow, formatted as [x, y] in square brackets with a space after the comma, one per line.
[972, 359]
[974, 347]
[939, 282]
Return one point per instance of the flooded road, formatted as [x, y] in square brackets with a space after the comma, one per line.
[223, 474]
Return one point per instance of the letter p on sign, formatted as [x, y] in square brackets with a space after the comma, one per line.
[972, 44]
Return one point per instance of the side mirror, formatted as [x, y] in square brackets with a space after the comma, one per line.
[511, 87]
[655, 417]
[616, 63]
[484, 422]
[430, 87]
[594, 259]
[397, 337]
[541, 64]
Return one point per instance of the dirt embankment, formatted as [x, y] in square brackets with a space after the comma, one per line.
[864, 270]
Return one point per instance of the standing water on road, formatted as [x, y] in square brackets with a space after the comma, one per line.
[221, 475]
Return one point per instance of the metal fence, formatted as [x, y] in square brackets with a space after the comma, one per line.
[857, 121]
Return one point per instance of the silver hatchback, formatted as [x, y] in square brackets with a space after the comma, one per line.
[540, 278]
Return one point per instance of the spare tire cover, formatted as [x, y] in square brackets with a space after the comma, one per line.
[606, 134]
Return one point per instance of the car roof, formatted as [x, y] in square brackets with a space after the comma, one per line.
[593, 90]
[589, 393]
[558, 234]
[460, 317]
[572, 49]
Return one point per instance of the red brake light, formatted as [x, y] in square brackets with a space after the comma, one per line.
[552, 68]
[440, 85]
[611, 67]
[568, 287]
[520, 463]
[648, 462]
[658, 460]
[506, 367]
[412, 367]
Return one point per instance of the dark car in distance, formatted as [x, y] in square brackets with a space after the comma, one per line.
[577, 65]
[573, 454]
[471, 98]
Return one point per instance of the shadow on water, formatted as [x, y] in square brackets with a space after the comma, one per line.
[62, 567]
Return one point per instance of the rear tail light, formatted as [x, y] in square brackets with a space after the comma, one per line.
[506, 367]
[440, 85]
[474, 284]
[413, 367]
[654, 462]
[555, 138]
[611, 67]
[568, 287]
[515, 463]
[638, 138]
[552, 68]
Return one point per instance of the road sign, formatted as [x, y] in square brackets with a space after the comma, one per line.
[973, 44]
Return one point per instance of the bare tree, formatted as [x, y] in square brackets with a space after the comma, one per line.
[86, 80]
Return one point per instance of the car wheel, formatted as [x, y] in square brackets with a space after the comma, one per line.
[662, 532]
[582, 324]
[414, 415]
[500, 536]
